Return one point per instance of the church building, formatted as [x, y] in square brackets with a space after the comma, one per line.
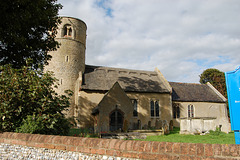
[113, 99]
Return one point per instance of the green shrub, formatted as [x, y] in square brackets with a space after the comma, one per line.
[29, 103]
[44, 124]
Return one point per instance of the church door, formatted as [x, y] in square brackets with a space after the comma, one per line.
[116, 120]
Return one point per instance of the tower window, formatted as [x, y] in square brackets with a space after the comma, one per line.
[70, 32]
[66, 59]
[67, 31]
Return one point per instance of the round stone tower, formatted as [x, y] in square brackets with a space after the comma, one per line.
[68, 61]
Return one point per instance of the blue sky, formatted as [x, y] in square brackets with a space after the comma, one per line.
[181, 38]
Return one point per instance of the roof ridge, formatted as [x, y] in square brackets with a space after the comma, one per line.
[187, 83]
[120, 69]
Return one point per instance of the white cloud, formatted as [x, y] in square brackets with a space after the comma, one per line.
[182, 38]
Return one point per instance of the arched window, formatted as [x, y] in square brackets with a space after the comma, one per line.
[155, 109]
[67, 31]
[135, 107]
[70, 32]
[190, 110]
[152, 108]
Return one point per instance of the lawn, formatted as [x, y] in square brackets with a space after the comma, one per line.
[211, 138]
[174, 136]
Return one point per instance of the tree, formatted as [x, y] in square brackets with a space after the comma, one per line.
[29, 103]
[24, 31]
[216, 78]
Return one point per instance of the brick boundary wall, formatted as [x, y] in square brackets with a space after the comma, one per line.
[126, 148]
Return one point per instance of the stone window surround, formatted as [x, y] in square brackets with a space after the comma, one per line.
[68, 31]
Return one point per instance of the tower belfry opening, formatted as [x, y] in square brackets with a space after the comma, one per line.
[67, 31]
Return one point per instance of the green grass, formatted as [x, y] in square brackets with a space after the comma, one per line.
[81, 132]
[212, 138]
[174, 136]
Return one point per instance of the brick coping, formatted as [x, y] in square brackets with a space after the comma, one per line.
[125, 148]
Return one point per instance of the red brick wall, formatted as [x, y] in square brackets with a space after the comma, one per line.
[126, 148]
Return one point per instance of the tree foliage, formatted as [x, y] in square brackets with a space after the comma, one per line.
[216, 78]
[29, 102]
[24, 31]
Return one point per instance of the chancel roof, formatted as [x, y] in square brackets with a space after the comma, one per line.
[192, 92]
[103, 78]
